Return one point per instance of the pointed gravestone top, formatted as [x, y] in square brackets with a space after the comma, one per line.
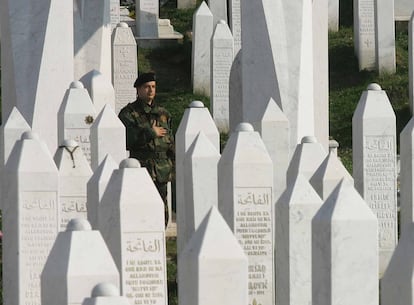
[203, 9]
[374, 87]
[105, 290]
[196, 104]
[244, 127]
[129, 163]
[76, 85]
[78, 224]
[16, 120]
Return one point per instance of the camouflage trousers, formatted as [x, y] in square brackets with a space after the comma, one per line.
[162, 189]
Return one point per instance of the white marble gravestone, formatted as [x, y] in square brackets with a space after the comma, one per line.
[320, 12]
[274, 130]
[385, 36]
[105, 294]
[245, 179]
[200, 63]
[375, 163]
[333, 19]
[131, 219]
[213, 268]
[196, 118]
[344, 243]
[30, 218]
[74, 173]
[222, 54]
[38, 61]
[76, 116]
[406, 176]
[100, 89]
[146, 18]
[403, 9]
[219, 10]
[364, 34]
[235, 23]
[396, 284]
[293, 239]
[328, 175]
[78, 261]
[92, 37]
[306, 159]
[107, 137]
[114, 13]
[124, 65]
[200, 176]
[96, 186]
[411, 62]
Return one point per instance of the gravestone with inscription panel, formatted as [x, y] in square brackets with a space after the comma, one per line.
[124, 65]
[100, 89]
[329, 174]
[106, 294]
[146, 18]
[200, 176]
[96, 186]
[345, 250]
[245, 179]
[196, 118]
[115, 13]
[185, 4]
[30, 218]
[92, 37]
[74, 173]
[407, 176]
[235, 23]
[293, 238]
[274, 130]
[306, 159]
[374, 158]
[76, 116]
[213, 268]
[200, 63]
[79, 260]
[396, 284]
[131, 220]
[222, 49]
[107, 137]
[411, 62]
[364, 34]
[385, 36]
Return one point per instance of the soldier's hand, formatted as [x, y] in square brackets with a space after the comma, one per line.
[159, 131]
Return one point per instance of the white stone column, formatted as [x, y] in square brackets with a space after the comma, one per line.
[78, 261]
[201, 49]
[245, 179]
[213, 267]
[219, 10]
[107, 137]
[146, 18]
[30, 218]
[196, 118]
[105, 294]
[411, 62]
[222, 55]
[293, 242]
[131, 220]
[345, 250]
[374, 156]
[235, 23]
[406, 176]
[333, 18]
[185, 4]
[385, 36]
[124, 65]
[200, 179]
[96, 187]
[75, 117]
[274, 130]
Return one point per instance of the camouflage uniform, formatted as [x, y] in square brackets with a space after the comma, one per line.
[154, 153]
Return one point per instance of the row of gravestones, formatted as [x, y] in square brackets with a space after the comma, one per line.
[231, 216]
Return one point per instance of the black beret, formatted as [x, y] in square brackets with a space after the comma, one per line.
[144, 78]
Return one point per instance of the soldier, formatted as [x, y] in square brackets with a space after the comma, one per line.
[149, 135]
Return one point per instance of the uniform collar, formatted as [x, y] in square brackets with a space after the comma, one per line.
[144, 106]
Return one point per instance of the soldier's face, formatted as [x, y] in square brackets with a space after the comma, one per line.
[146, 91]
